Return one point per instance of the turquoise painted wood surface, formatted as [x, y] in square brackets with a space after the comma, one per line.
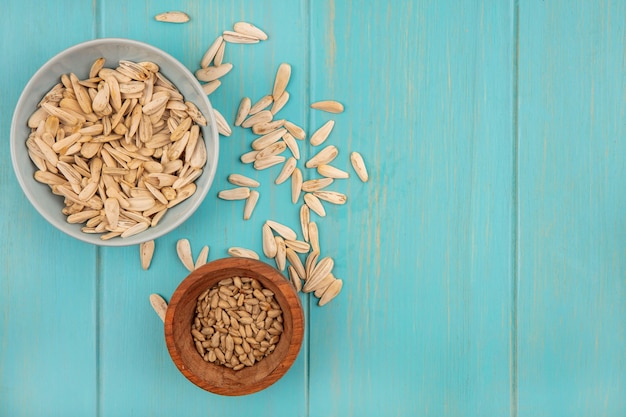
[483, 263]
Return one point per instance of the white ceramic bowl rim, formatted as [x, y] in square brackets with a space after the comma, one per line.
[48, 204]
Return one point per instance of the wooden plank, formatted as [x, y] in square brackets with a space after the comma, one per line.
[137, 372]
[422, 326]
[47, 309]
[571, 176]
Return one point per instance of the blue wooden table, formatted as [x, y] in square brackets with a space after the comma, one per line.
[484, 263]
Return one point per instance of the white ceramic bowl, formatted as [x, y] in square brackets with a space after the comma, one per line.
[78, 59]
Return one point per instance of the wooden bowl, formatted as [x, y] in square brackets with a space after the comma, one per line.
[220, 379]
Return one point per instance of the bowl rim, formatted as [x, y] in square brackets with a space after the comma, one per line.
[212, 158]
[268, 272]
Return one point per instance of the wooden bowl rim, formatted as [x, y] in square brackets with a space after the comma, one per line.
[293, 303]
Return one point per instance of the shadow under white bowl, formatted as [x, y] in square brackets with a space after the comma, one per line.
[78, 59]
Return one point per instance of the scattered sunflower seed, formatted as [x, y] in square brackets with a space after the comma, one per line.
[331, 292]
[242, 181]
[359, 166]
[331, 196]
[146, 251]
[183, 249]
[285, 231]
[305, 218]
[210, 87]
[250, 30]
[329, 106]
[242, 111]
[235, 37]
[296, 185]
[250, 204]
[159, 305]
[314, 204]
[323, 157]
[172, 17]
[269, 243]
[295, 130]
[210, 52]
[322, 133]
[316, 184]
[242, 253]
[240, 193]
[263, 103]
[287, 170]
[330, 171]
[282, 79]
[202, 257]
[222, 124]
[279, 102]
[263, 116]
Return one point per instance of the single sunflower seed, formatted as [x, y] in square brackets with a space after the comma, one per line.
[236, 37]
[322, 133]
[330, 171]
[305, 218]
[282, 79]
[316, 184]
[242, 253]
[285, 231]
[281, 253]
[239, 193]
[323, 157]
[250, 30]
[287, 170]
[183, 249]
[295, 130]
[202, 257]
[222, 125]
[265, 128]
[172, 17]
[292, 145]
[211, 86]
[359, 166]
[296, 185]
[242, 111]
[268, 162]
[279, 102]
[329, 106]
[298, 245]
[268, 139]
[331, 196]
[146, 251]
[213, 73]
[250, 204]
[295, 278]
[314, 204]
[275, 148]
[264, 116]
[295, 261]
[314, 238]
[269, 243]
[263, 103]
[159, 305]
[242, 181]
[331, 292]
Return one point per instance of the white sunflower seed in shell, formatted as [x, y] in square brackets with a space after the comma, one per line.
[210, 52]
[264, 116]
[295, 130]
[298, 245]
[316, 184]
[135, 229]
[292, 145]
[281, 253]
[330, 106]
[287, 170]
[323, 157]
[268, 139]
[82, 216]
[250, 30]
[172, 17]
[112, 211]
[275, 148]
[305, 218]
[280, 102]
[359, 166]
[323, 284]
[263, 103]
[219, 55]
[311, 262]
[269, 243]
[268, 162]
[282, 79]
[213, 73]
[323, 268]
[295, 278]
[249, 157]
[322, 133]
[295, 261]
[243, 253]
[285, 231]
[331, 292]
[331, 196]
[314, 238]
[146, 251]
[330, 171]
[239, 193]
[265, 128]
[242, 111]
[296, 185]
[222, 125]
[183, 249]
[96, 67]
[159, 305]
[315, 204]
[250, 204]
[211, 86]
[202, 257]
[235, 37]
[242, 181]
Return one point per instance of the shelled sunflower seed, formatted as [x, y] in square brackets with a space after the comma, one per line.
[237, 323]
[104, 143]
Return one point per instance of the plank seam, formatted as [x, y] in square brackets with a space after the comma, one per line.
[515, 217]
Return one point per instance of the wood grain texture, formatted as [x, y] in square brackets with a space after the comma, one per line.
[423, 321]
[483, 262]
[47, 279]
[572, 304]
